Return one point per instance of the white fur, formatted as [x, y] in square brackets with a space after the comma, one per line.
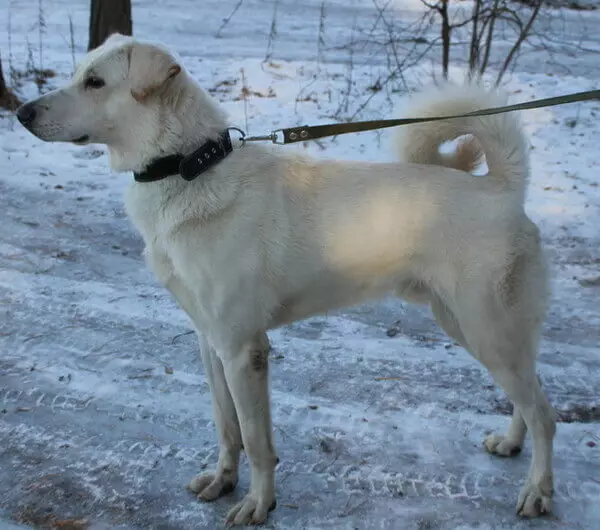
[266, 238]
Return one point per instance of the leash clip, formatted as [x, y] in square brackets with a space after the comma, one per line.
[275, 136]
[263, 138]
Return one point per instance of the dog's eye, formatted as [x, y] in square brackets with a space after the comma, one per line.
[94, 82]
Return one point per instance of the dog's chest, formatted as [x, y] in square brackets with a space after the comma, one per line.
[147, 213]
[176, 245]
[145, 209]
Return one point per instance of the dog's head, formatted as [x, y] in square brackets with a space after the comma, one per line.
[118, 91]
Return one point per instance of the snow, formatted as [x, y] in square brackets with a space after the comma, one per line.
[105, 407]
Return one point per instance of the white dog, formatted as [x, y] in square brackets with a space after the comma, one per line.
[263, 239]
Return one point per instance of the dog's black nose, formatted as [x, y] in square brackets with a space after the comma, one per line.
[26, 114]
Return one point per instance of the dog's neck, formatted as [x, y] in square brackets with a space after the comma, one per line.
[188, 117]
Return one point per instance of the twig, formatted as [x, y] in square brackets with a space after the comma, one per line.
[245, 92]
[41, 27]
[272, 33]
[11, 70]
[320, 46]
[228, 18]
[392, 76]
[174, 339]
[345, 103]
[72, 42]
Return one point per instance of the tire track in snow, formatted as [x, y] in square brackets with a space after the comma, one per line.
[133, 462]
[135, 455]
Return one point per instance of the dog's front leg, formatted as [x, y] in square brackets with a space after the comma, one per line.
[212, 485]
[247, 373]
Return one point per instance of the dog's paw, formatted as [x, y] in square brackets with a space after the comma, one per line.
[252, 510]
[535, 499]
[211, 486]
[498, 444]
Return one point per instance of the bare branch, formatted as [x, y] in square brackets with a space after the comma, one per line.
[228, 18]
[524, 34]
[488, 42]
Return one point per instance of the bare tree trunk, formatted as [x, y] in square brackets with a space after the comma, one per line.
[475, 39]
[488, 42]
[7, 99]
[446, 29]
[108, 17]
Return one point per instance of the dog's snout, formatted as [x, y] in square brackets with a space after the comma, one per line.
[26, 114]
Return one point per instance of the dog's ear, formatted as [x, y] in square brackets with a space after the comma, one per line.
[150, 69]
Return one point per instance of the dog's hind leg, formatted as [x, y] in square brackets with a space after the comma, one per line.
[447, 321]
[525, 392]
[511, 443]
[502, 445]
[501, 320]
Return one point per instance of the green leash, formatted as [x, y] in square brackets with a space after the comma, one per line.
[306, 132]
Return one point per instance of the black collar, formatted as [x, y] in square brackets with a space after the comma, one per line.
[190, 166]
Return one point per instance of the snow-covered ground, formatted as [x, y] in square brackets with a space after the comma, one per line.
[378, 417]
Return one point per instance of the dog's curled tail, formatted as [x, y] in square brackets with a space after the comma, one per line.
[498, 136]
